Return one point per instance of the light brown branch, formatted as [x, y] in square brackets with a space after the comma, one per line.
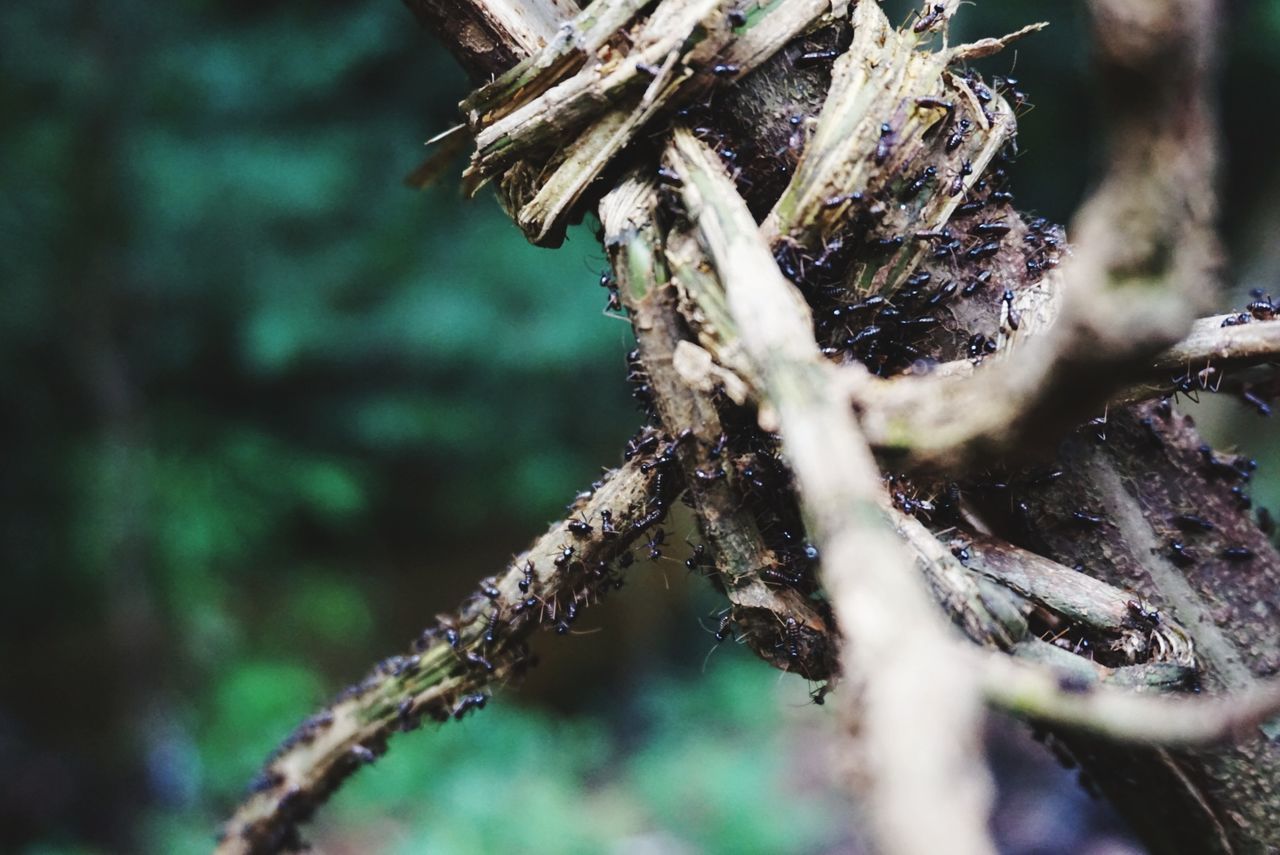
[738, 553]
[914, 702]
[1041, 694]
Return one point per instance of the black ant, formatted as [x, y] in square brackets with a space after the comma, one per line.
[1261, 307]
[930, 18]
[698, 558]
[1014, 317]
[737, 18]
[655, 543]
[489, 589]
[724, 70]
[579, 528]
[527, 581]
[668, 176]
[450, 631]
[957, 183]
[963, 127]
[563, 558]
[1192, 523]
[1237, 553]
[983, 250]
[996, 228]
[477, 660]
[1143, 611]
[1266, 523]
[1179, 553]
[885, 144]
[920, 182]
[816, 57]
[491, 627]
[791, 640]
[1087, 519]
[1262, 407]
[467, 703]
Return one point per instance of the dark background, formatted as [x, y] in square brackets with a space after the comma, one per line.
[267, 411]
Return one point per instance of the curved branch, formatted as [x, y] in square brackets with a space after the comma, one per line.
[451, 667]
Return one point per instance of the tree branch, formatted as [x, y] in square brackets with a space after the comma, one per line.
[451, 667]
[913, 701]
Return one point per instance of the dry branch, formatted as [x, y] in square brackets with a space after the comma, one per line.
[451, 668]
[912, 700]
[780, 625]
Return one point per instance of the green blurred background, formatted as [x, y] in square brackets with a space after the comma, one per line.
[268, 411]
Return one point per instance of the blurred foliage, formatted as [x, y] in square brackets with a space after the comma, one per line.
[268, 410]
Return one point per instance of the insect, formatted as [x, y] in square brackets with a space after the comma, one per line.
[1192, 523]
[977, 282]
[963, 127]
[669, 177]
[1014, 317]
[724, 70]
[943, 294]
[476, 659]
[791, 639]
[996, 228]
[885, 144]
[527, 581]
[816, 57]
[1266, 522]
[467, 703]
[1262, 308]
[491, 627]
[1237, 553]
[737, 18]
[1087, 519]
[920, 182]
[1144, 611]
[930, 18]
[563, 558]
[489, 589]
[450, 631]
[1262, 407]
[579, 528]
[1179, 553]
[984, 250]
[957, 184]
